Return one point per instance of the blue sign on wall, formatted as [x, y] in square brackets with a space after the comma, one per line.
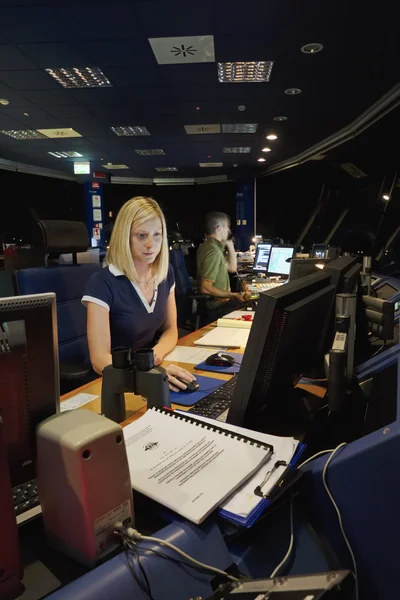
[94, 212]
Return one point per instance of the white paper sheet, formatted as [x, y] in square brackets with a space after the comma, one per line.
[243, 501]
[225, 337]
[179, 464]
[192, 356]
[76, 401]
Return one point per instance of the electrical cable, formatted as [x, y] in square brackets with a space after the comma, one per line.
[353, 558]
[314, 456]
[145, 590]
[135, 536]
[289, 550]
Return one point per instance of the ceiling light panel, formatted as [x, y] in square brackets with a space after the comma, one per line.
[152, 152]
[240, 128]
[256, 71]
[238, 150]
[79, 77]
[66, 154]
[182, 50]
[60, 133]
[165, 169]
[201, 129]
[130, 130]
[115, 167]
[211, 164]
[280, 118]
[23, 134]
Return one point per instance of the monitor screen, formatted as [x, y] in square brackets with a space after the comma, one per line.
[277, 261]
[262, 258]
[29, 379]
[319, 251]
[290, 335]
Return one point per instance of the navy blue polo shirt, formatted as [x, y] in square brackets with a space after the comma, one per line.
[133, 322]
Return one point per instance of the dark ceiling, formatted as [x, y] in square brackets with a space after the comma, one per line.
[359, 63]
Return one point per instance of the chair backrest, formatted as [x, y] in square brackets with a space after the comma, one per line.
[182, 281]
[68, 282]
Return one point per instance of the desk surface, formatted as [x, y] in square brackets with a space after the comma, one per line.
[135, 405]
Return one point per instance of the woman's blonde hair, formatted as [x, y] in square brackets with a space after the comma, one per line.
[133, 214]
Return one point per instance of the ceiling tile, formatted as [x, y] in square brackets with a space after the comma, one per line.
[36, 119]
[119, 53]
[91, 24]
[12, 97]
[56, 55]
[27, 80]
[33, 24]
[50, 98]
[11, 58]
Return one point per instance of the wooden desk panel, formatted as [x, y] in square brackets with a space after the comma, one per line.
[135, 405]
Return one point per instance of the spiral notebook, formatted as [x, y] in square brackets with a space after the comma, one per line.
[177, 461]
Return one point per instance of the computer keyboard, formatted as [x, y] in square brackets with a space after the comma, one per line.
[216, 404]
[26, 500]
[262, 287]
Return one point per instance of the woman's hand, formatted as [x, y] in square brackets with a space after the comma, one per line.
[173, 371]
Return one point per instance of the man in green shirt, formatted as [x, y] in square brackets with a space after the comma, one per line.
[216, 258]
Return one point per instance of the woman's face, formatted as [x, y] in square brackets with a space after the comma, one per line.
[146, 240]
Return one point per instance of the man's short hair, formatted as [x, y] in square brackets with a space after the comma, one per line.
[213, 219]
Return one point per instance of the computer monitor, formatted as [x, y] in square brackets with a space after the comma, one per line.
[29, 375]
[299, 267]
[279, 256]
[261, 260]
[289, 337]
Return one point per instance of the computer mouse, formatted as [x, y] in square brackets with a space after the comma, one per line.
[191, 386]
[220, 359]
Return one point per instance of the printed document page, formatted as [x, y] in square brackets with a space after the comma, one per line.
[179, 464]
[225, 337]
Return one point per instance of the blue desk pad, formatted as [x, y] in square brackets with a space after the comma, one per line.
[207, 385]
[228, 370]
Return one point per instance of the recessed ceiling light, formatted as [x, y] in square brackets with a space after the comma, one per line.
[130, 130]
[26, 115]
[115, 167]
[242, 107]
[280, 118]
[24, 134]
[197, 107]
[211, 164]
[239, 128]
[238, 150]
[79, 77]
[152, 152]
[385, 197]
[201, 129]
[272, 136]
[266, 149]
[312, 48]
[66, 154]
[61, 132]
[261, 159]
[293, 91]
[166, 169]
[255, 71]
[4, 102]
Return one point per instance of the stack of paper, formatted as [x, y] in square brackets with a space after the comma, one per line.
[243, 506]
[177, 462]
[225, 337]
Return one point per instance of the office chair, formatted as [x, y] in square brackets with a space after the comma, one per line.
[191, 305]
[68, 282]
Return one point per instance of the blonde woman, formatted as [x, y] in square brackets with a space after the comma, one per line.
[133, 298]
